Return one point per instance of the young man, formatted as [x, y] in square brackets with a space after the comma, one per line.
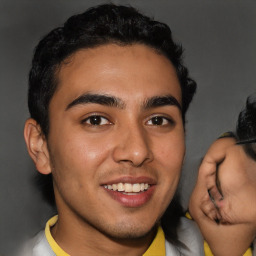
[107, 96]
[226, 211]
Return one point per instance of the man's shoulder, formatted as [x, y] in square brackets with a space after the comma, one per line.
[37, 246]
[190, 237]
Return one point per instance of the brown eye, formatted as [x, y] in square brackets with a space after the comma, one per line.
[159, 120]
[96, 120]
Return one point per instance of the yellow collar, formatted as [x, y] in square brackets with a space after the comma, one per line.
[55, 247]
[157, 247]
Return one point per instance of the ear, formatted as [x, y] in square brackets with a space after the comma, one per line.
[37, 146]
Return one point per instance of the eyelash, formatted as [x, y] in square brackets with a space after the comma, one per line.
[95, 116]
[164, 121]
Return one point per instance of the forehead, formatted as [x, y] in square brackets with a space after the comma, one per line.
[129, 72]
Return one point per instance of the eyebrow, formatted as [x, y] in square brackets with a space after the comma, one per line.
[101, 99]
[112, 101]
[160, 101]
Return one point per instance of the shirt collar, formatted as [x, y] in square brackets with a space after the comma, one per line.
[157, 247]
[55, 247]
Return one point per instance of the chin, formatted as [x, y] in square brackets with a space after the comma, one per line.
[131, 232]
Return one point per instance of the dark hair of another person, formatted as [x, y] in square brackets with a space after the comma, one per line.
[101, 25]
[246, 127]
[98, 26]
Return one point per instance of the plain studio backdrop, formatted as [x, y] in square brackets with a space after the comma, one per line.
[219, 38]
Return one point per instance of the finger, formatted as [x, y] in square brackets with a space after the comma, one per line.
[215, 195]
[214, 156]
[207, 180]
[209, 209]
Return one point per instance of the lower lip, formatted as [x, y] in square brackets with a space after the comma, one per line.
[132, 201]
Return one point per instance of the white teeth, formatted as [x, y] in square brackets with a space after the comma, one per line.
[136, 187]
[128, 187]
[120, 187]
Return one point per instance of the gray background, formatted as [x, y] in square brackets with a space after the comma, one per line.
[219, 38]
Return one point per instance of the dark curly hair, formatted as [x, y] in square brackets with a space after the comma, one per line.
[246, 127]
[97, 26]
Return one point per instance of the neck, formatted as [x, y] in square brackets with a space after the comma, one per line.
[77, 237]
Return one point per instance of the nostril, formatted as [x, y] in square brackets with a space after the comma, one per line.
[132, 153]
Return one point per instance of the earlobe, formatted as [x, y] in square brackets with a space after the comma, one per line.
[37, 146]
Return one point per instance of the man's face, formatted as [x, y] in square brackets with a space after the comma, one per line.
[116, 139]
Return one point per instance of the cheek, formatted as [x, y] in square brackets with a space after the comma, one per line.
[171, 151]
[169, 156]
[77, 155]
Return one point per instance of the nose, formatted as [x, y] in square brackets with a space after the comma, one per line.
[133, 146]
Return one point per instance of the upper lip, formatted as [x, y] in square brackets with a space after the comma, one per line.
[131, 179]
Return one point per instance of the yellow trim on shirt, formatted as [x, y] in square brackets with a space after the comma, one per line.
[248, 252]
[55, 247]
[157, 247]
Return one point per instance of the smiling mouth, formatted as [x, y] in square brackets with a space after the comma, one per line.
[132, 192]
[128, 188]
